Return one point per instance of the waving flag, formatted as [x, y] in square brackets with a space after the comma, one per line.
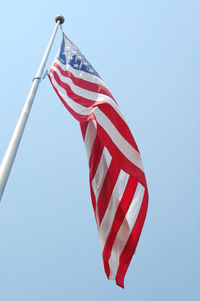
[116, 175]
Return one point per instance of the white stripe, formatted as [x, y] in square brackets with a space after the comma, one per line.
[90, 136]
[114, 201]
[127, 150]
[125, 230]
[101, 172]
[80, 74]
[96, 97]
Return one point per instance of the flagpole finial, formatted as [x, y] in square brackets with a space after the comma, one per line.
[60, 18]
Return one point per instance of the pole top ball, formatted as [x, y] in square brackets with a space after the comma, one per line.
[60, 18]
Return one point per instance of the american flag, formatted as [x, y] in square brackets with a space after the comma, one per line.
[116, 175]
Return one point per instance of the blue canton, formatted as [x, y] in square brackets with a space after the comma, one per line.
[70, 54]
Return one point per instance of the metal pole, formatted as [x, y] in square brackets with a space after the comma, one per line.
[11, 151]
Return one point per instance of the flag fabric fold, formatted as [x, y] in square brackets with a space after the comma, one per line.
[116, 175]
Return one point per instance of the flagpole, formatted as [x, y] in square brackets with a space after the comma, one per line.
[12, 148]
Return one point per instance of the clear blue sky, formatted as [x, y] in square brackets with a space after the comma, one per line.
[148, 53]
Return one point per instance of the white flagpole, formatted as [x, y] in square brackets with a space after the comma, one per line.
[12, 148]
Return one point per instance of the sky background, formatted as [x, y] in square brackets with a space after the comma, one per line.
[148, 53]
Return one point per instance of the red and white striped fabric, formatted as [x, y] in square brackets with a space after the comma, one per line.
[117, 181]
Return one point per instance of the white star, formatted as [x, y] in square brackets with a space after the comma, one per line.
[76, 66]
[69, 57]
[91, 70]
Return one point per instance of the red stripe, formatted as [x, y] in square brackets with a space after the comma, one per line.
[92, 197]
[132, 242]
[83, 126]
[83, 83]
[119, 217]
[107, 188]
[95, 156]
